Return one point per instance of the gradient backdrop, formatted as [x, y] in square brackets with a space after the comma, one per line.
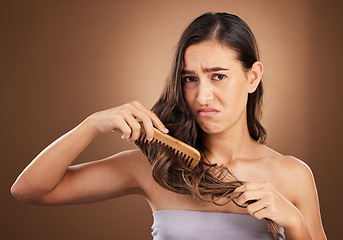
[63, 60]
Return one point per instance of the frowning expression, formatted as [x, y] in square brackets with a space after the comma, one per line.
[215, 86]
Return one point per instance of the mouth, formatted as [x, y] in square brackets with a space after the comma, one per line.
[207, 112]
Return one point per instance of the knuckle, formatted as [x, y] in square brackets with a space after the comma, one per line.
[124, 106]
[135, 103]
[250, 209]
[245, 187]
[244, 196]
[113, 119]
[118, 115]
[119, 111]
[146, 117]
[136, 127]
[126, 131]
[127, 107]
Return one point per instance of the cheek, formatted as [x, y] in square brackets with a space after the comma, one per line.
[234, 93]
[241, 97]
[240, 91]
[188, 96]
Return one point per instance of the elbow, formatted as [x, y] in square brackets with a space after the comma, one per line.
[17, 192]
[27, 196]
[20, 194]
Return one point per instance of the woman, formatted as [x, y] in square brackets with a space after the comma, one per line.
[212, 101]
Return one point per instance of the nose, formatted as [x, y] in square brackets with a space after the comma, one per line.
[205, 93]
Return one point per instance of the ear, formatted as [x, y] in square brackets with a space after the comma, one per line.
[255, 75]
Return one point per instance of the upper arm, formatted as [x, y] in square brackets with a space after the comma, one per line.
[97, 181]
[306, 198]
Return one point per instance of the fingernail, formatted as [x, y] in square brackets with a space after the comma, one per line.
[150, 138]
[166, 130]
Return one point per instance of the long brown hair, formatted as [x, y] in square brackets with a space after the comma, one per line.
[207, 182]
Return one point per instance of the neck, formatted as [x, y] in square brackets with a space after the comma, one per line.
[225, 147]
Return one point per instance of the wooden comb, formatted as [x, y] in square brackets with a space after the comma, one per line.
[187, 153]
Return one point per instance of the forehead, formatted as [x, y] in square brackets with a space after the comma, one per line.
[209, 54]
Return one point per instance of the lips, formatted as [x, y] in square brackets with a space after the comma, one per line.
[207, 112]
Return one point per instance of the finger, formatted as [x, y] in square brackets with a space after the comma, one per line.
[253, 208]
[155, 120]
[247, 186]
[124, 128]
[146, 120]
[249, 197]
[149, 129]
[134, 126]
[261, 214]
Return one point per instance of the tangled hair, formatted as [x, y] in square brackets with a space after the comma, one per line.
[207, 182]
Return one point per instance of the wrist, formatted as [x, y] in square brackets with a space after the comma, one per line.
[89, 125]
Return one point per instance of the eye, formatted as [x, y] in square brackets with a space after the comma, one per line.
[189, 79]
[218, 77]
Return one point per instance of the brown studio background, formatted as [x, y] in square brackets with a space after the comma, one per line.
[63, 60]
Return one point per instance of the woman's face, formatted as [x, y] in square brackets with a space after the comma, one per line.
[215, 86]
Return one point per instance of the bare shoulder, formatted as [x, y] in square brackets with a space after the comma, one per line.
[296, 182]
[284, 164]
[292, 166]
[293, 176]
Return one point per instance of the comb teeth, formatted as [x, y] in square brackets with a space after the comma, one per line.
[189, 155]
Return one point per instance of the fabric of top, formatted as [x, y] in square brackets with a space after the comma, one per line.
[197, 225]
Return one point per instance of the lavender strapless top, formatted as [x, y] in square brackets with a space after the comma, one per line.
[197, 225]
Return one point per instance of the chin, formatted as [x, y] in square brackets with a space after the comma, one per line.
[211, 131]
[210, 128]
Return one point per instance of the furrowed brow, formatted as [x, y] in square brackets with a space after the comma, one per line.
[215, 69]
[212, 69]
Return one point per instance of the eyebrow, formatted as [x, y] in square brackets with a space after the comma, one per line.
[212, 69]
